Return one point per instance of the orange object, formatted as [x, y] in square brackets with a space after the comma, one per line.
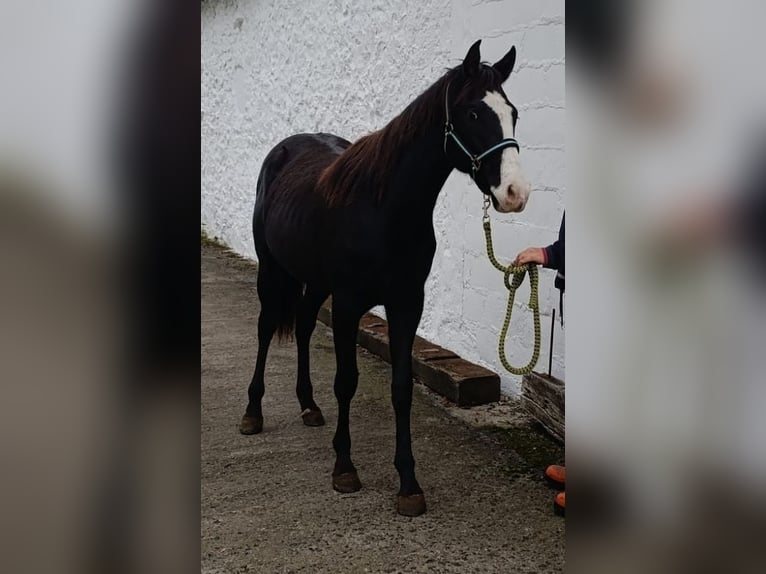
[559, 503]
[556, 474]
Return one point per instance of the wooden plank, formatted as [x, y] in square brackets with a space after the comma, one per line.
[543, 397]
[464, 383]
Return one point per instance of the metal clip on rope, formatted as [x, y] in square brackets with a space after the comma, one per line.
[518, 273]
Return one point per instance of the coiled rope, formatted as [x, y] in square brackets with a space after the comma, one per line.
[518, 272]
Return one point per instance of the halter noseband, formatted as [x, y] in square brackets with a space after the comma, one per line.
[449, 131]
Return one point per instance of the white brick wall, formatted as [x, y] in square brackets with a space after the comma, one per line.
[277, 67]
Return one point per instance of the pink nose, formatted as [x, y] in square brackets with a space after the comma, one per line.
[518, 201]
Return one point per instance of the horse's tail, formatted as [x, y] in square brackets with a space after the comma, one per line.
[280, 295]
[278, 291]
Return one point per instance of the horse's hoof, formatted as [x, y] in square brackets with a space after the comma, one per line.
[346, 482]
[412, 505]
[313, 418]
[251, 425]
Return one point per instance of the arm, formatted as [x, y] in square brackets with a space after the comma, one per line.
[554, 253]
[551, 257]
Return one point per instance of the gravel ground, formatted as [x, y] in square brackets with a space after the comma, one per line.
[267, 501]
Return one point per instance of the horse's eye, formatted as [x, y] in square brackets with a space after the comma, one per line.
[473, 115]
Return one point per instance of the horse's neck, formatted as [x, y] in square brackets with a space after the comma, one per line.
[419, 176]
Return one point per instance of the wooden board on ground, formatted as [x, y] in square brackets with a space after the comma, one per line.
[543, 397]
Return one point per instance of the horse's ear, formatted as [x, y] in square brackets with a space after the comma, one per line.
[505, 64]
[472, 60]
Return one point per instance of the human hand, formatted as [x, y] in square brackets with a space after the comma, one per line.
[530, 255]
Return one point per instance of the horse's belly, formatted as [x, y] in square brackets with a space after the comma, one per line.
[298, 253]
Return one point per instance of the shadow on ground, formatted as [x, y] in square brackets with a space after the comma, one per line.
[267, 501]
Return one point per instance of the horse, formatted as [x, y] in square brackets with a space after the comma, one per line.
[355, 221]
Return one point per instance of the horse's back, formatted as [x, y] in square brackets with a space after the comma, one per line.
[290, 149]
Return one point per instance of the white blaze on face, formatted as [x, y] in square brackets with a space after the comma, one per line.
[513, 190]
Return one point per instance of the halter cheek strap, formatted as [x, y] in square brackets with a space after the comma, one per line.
[449, 131]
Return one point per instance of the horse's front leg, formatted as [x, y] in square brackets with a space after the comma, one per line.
[403, 319]
[345, 323]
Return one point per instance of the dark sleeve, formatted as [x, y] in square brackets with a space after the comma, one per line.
[554, 253]
[749, 207]
[750, 228]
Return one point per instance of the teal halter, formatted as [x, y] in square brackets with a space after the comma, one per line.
[449, 131]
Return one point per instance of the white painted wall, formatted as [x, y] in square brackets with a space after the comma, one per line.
[272, 68]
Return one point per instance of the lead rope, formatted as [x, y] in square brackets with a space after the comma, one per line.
[518, 273]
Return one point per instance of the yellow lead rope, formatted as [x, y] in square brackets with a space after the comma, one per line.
[518, 273]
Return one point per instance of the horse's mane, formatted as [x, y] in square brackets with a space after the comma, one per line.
[368, 162]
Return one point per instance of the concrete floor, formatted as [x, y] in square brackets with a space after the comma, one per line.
[267, 501]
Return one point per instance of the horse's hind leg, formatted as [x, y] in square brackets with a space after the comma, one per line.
[305, 323]
[279, 295]
[252, 421]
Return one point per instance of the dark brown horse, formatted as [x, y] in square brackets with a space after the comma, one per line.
[355, 222]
